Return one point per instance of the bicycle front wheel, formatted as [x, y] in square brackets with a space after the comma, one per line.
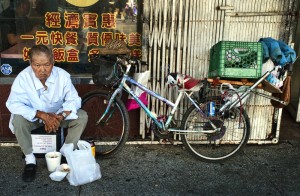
[111, 135]
[207, 145]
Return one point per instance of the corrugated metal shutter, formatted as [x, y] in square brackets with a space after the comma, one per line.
[179, 34]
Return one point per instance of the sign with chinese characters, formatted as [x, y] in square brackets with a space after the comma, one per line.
[72, 34]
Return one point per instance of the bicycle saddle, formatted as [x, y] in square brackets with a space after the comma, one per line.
[184, 82]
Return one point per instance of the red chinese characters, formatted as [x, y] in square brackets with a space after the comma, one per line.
[71, 38]
[92, 38]
[56, 38]
[105, 37]
[90, 20]
[120, 36]
[59, 54]
[108, 21]
[71, 20]
[80, 29]
[52, 20]
[134, 39]
[41, 37]
[73, 55]
[136, 53]
[26, 53]
[93, 51]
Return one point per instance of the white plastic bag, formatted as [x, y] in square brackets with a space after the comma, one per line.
[83, 166]
[231, 94]
[141, 78]
[267, 66]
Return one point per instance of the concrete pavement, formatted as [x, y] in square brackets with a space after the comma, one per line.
[168, 170]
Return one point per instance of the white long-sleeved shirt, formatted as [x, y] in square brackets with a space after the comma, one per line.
[29, 95]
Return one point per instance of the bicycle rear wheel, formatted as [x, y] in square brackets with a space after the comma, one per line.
[112, 135]
[218, 146]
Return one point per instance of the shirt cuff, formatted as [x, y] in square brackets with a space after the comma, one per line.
[32, 115]
[71, 116]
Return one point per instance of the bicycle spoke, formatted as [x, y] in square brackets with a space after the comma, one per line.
[110, 135]
[231, 135]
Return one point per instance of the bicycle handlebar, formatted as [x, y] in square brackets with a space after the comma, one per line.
[130, 62]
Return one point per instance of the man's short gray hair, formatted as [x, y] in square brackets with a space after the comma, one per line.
[37, 49]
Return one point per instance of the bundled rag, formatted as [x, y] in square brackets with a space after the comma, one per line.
[279, 52]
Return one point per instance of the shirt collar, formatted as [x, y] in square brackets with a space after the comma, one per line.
[52, 76]
[38, 84]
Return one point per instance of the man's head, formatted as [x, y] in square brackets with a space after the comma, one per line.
[41, 61]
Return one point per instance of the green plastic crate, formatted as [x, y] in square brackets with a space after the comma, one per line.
[232, 59]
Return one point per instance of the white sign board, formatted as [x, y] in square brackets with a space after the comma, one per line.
[43, 143]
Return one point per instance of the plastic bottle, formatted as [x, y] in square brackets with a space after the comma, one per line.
[93, 147]
[211, 109]
[274, 81]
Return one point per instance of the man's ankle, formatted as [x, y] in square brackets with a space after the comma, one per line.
[30, 159]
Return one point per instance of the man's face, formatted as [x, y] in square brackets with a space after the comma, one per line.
[41, 66]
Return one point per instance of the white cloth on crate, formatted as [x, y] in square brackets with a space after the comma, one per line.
[273, 77]
[267, 66]
[29, 95]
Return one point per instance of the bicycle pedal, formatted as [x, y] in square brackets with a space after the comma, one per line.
[102, 123]
[229, 114]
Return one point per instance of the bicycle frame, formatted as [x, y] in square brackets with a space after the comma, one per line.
[203, 132]
[124, 86]
[230, 104]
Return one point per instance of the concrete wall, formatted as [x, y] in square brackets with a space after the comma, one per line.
[6, 135]
[294, 106]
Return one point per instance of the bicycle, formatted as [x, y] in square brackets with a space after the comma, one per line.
[212, 129]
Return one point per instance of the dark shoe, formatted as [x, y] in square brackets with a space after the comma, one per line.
[29, 172]
[63, 159]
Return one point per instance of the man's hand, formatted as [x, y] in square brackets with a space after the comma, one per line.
[52, 121]
[60, 117]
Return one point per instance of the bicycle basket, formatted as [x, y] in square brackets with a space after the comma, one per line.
[106, 70]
